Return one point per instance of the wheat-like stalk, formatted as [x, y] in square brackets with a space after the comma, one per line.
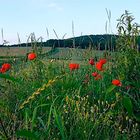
[39, 90]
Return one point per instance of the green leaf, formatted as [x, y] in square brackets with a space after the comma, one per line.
[8, 77]
[26, 134]
[59, 123]
[128, 105]
[110, 89]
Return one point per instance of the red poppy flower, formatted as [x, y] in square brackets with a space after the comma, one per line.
[5, 67]
[31, 56]
[2, 70]
[77, 66]
[116, 82]
[99, 66]
[94, 74]
[74, 66]
[98, 77]
[102, 61]
[91, 61]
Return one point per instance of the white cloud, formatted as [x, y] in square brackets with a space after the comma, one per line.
[55, 6]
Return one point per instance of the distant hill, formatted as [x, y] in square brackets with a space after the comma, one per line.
[98, 42]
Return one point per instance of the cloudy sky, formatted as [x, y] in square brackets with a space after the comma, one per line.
[89, 17]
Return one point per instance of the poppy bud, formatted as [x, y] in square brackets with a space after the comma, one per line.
[94, 74]
[91, 61]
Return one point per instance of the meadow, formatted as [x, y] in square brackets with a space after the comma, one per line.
[71, 93]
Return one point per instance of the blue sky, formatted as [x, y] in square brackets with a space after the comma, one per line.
[89, 17]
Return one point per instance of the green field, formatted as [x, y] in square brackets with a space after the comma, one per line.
[71, 94]
[18, 53]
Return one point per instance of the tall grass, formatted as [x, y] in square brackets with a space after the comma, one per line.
[44, 99]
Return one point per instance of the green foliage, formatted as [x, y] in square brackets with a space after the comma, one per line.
[8, 77]
[128, 60]
[76, 105]
[128, 105]
[27, 134]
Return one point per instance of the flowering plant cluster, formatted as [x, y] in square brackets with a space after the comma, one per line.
[6, 66]
[72, 66]
[99, 66]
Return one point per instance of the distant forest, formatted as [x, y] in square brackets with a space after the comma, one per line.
[98, 42]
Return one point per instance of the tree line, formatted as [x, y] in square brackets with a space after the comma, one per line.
[97, 42]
